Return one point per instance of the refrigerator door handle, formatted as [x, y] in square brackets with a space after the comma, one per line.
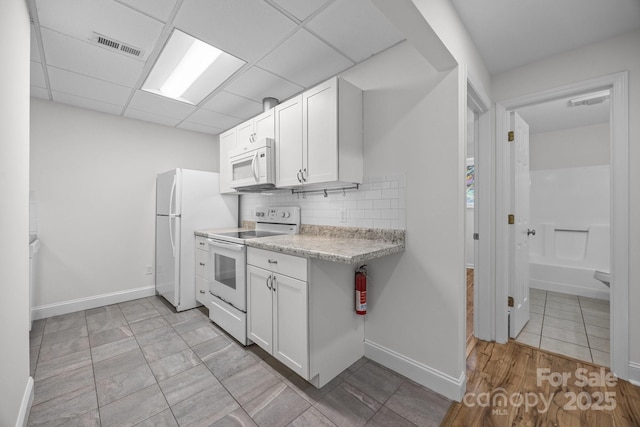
[173, 193]
[173, 246]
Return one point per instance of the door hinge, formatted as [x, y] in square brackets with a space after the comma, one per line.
[511, 136]
[510, 301]
[512, 219]
[476, 236]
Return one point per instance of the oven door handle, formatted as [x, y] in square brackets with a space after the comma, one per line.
[231, 246]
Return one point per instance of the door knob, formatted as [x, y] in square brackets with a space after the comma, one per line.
[530, 232]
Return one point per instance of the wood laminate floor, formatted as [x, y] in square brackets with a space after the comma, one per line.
[501, 378]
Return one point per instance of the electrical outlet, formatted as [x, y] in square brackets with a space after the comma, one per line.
[148, 270]
[343, 215]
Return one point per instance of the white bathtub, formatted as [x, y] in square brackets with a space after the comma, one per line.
[563, 259]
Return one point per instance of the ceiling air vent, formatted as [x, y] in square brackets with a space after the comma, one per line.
[116, 45]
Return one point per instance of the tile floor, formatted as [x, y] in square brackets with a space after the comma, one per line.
[574, 326]
[141, 363]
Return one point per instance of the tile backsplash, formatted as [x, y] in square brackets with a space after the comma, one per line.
[380, 202]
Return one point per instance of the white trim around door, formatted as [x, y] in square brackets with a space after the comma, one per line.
[620, 186]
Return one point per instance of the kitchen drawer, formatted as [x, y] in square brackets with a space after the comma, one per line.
[202, 295]
[201, 263]
[201, 243]
[277, 262]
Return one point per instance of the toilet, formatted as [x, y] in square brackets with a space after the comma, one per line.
[603, 276]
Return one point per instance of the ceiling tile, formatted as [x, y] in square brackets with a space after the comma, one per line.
[257, 84]
[234, 105]
[243, 28]
[91, 104]
[160, 105]
[200, 128]
[38, 92]
[300, 9]
[35, 51]
[80, 18]
[304, 59]
[159, 9]
[37, 75]
[87, 87]
[150, 117]
[356, 27]
[213, 119]
[82, 57]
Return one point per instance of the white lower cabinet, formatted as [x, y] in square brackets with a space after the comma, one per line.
[278, 317]
[302, 313]
[202, 284]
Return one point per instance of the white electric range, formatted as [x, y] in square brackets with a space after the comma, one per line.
[228, 260]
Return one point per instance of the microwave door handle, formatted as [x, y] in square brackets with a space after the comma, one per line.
[254, 167]
[230, 246]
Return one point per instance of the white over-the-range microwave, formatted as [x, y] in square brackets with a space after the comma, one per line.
[254, 169]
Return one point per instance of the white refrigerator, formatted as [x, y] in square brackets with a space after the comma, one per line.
[186, 200]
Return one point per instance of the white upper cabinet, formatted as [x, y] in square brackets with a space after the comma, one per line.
[227, 145]
[289, 142]
[319, 136]
[251, 131]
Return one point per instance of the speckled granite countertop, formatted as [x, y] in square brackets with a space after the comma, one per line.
[339, 244]
[349, 245]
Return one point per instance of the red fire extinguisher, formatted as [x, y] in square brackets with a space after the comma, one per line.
[361, 290]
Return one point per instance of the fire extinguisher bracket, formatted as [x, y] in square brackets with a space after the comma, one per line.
[361, 290]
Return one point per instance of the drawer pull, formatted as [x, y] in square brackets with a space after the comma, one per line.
[201, 243]
[202, 264]
[273, 262]
[201, 291]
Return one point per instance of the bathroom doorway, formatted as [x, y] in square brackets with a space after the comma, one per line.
[619, 212]
[569, 175]
[470, 226]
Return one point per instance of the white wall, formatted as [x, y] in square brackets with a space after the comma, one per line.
[411, 125]
[611, 56]
[15, 384]
[94, 180]
[569, 148]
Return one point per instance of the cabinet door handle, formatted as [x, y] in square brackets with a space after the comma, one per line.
[298, 175]
[273, 262]
[273, 283]
[269, 282]
[202, 264]
[201, 291]
[304, 171]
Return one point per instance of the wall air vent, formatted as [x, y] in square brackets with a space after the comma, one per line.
[116, 45]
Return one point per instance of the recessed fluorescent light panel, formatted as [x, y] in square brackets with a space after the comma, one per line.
[189, 69]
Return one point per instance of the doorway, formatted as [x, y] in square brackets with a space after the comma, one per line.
[569, 220]
[619, 199]
[470, 226]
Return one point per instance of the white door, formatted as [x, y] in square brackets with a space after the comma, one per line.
[264, 126]
[290, 324]
[289, 142]
[260, 307]
[519, 286]
[320, 133]
[227, 144]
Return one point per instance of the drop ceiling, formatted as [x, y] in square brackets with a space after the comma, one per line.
[513, 33]
[289, 45]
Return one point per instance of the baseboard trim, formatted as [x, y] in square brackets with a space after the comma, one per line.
[568, 289]
[64, 307]
[634, 373]
[25, 406]
[433, 379]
